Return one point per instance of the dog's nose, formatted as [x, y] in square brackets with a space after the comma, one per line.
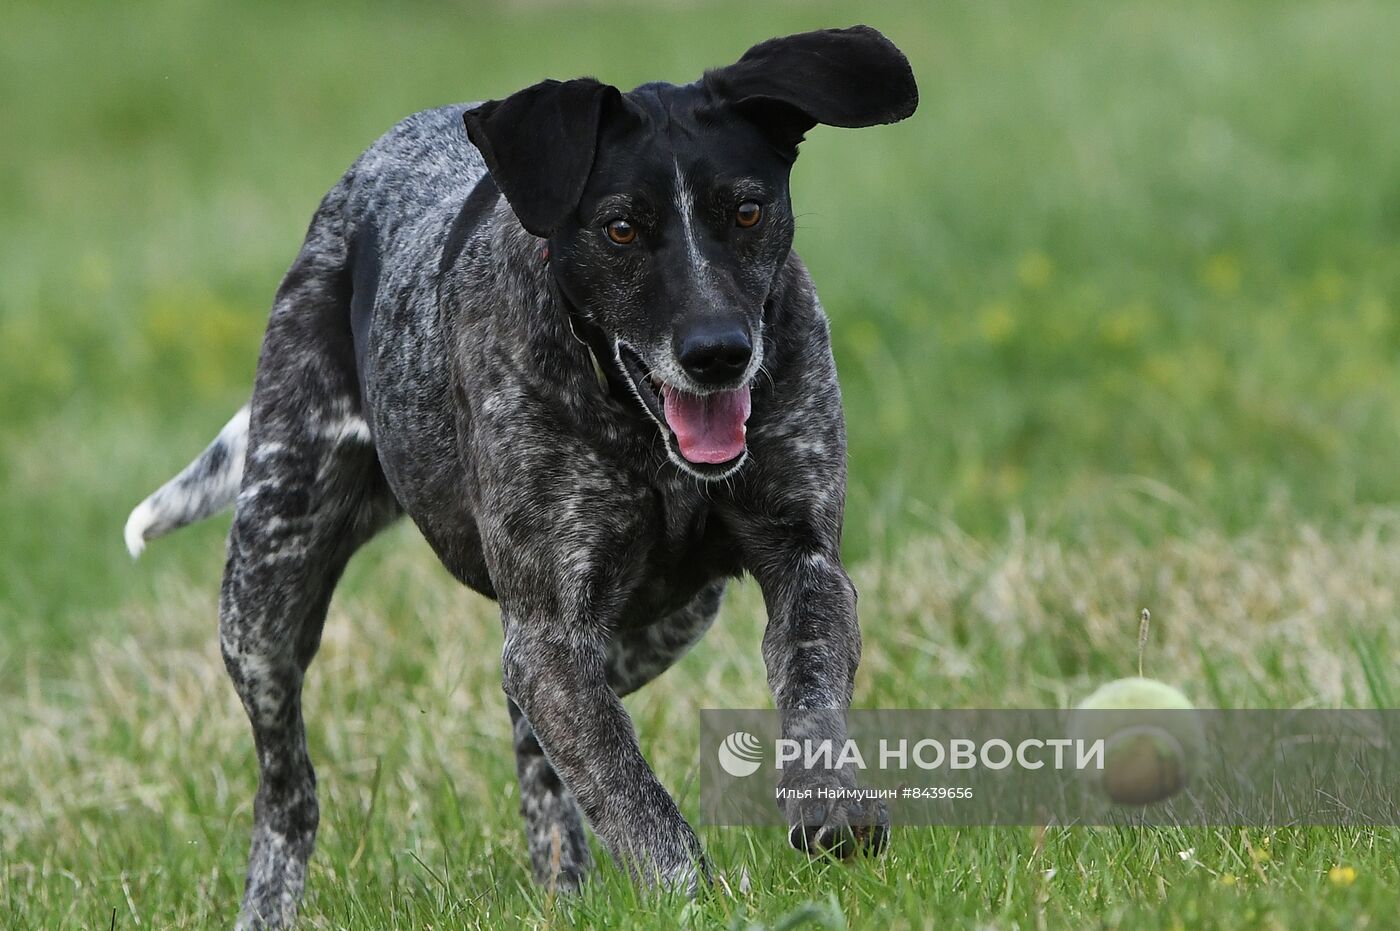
[714, 352]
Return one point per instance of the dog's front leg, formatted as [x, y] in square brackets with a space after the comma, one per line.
[812, 648]
[555, 671]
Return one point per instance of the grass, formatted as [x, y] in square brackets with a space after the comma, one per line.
[1115, 315]
[129, 779]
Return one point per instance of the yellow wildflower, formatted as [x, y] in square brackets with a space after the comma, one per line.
[997, 323]
[1222, 274]
[1341, 875]
[1035, 270]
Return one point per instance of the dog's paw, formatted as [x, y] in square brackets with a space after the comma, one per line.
[673, 861]
[691, 880]
[840, 829]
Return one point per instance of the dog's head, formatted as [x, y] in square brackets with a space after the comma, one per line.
[667, 213]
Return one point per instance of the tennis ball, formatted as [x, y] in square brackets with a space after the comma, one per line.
[1153, 739]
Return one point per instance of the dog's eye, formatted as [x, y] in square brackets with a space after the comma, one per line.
[620, 231]
[748, 214]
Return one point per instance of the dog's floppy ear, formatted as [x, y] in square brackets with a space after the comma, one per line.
[840, 77]
[539, 145]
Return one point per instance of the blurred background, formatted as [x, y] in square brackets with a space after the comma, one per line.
[1116, 319]
[1130, 265]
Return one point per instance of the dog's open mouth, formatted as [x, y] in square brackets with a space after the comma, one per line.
[708, 430]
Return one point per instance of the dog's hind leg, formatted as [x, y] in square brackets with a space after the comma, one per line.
[559, 854]
[312, 493]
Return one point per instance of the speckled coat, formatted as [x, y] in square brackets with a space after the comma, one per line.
[420, 359]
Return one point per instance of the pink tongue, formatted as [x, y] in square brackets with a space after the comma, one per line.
[709, 428]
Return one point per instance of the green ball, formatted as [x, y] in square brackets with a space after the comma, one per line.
[1153, 737]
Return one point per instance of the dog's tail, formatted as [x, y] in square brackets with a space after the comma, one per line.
[205, 487]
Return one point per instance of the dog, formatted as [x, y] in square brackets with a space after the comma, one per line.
[566, 333]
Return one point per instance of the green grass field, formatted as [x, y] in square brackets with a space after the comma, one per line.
[1116, 316]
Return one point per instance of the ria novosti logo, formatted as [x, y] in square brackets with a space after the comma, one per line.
[740, 754]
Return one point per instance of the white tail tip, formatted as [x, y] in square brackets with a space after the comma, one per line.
[136, 526]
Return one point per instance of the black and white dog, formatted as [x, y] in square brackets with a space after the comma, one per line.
[567, 334]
